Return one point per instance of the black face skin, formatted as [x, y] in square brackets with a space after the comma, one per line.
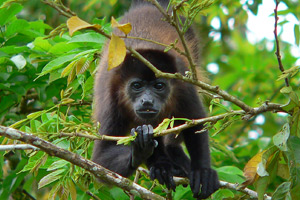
[148, 97]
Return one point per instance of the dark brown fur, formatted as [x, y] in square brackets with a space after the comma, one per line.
[113, 107]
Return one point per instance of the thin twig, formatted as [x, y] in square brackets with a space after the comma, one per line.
[277, 44]
[173, 21]
[58, 5]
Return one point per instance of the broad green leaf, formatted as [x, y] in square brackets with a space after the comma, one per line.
[4, 61]
[125, 28]
[261, 186]
[16, 26]
[75, 24]
[42, 44]
[282, 192]
[58, 164]
[50, 178]
[56, 64]
[295, 123]
[88, 37]
[116, 52]
[62, 47]
[7, 13]
[280, 139]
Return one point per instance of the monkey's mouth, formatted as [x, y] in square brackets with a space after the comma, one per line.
[147, 113]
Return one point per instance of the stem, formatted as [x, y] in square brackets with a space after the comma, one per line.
[277, 44]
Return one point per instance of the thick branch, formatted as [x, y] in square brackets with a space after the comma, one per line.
[97, 170]
[223, 184]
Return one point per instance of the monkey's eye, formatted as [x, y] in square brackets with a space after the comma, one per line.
[159, 86]
[136, 85]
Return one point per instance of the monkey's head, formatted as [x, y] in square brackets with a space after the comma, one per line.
[147, 97]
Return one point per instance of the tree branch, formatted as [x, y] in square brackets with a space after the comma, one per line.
[223, 184]
[18, 147]
[277, 44]
[95, 169]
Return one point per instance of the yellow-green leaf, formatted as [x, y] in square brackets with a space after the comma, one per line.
[50, 178]
[75, 24]
[79, 64]
[35, 114]
[68, 100]
[116, 52]
[250, 169]
[68, 69]
[125, 28]
[72, 75]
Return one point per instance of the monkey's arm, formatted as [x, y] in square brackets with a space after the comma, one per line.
[125, 159]
[203, 179]
[201, 174]
[160, 166]
[114, 157]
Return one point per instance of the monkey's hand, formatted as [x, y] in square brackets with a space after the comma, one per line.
[162, 171]
[206, 179]
[143, 145]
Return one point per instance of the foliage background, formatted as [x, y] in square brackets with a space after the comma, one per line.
[46, 89]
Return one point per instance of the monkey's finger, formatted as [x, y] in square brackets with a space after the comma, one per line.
[195, 180]
[145, 135]
[132, 132]
[152, 174]
[158, 176]
[169, 181]
[205, 177]
[155, 143]
[150, 129]
[140, 137]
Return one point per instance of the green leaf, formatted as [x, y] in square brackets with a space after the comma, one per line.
[280, 139]
[42, 44]
[261, 186]
[50, 178]
[56, 64]
[295, 122]
[127, 140]
[286, 90]
[7, 13]
[58, 164]
[88, 37]
[297, 34]
[16, 26]
[62, 47]
[282, 191]
[35, 114]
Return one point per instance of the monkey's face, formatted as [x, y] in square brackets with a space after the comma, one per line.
[148, 97]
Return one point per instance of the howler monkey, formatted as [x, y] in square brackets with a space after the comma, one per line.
[129, 98]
